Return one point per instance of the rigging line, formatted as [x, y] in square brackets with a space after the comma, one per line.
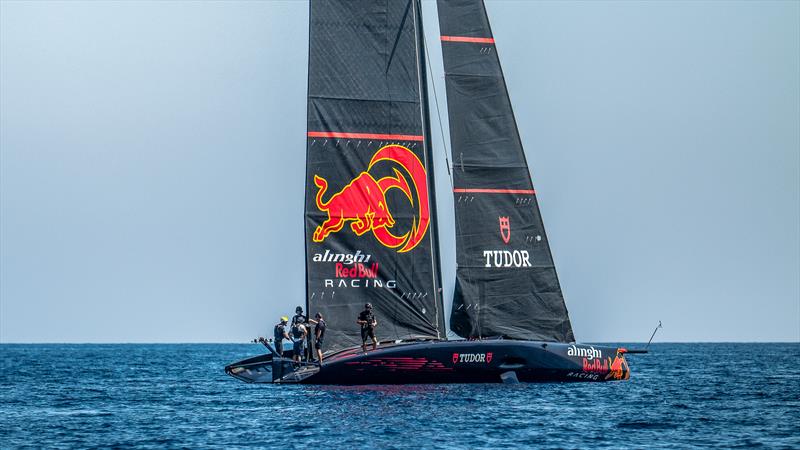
[447, 165]
[425, 45]
[438, 113]
[419, 32]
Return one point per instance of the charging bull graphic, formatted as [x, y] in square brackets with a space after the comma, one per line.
[619, 368]
[363, 201]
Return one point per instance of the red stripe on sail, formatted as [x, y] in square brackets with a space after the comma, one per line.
[468, 39]
[387, 137]
[495, 191]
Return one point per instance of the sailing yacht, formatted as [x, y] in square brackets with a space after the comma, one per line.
[371, 232]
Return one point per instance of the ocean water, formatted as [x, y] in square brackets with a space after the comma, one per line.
[156, 396]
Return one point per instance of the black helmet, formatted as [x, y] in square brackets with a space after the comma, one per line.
[299, 309]
[368, 306]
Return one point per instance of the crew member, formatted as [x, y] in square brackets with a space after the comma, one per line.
[368, 323]
[319, 335]
[299, 333]
[281, 334]
[299, 317]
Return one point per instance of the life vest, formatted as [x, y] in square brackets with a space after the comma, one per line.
[279, 330]
[297, 330]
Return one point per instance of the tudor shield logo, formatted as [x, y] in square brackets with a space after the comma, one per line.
[505, 229]
[362, 202]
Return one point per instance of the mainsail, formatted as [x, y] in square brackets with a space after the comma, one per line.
[369, 212]
[506, 283]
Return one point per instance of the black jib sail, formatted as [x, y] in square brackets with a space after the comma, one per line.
[506, 282]
[369, 214]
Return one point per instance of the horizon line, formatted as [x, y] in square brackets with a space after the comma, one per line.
[243, 343]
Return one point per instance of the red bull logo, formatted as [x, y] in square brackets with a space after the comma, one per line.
[616, 369]
[362, 202]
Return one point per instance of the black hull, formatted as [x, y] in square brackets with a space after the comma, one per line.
[435, 362]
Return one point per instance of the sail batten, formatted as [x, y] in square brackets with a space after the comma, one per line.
[506, 283]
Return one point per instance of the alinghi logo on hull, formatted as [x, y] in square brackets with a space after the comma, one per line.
[583, 352]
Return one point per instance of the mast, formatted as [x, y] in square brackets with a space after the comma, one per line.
[428, 151]
[506, 281]
[305, 192]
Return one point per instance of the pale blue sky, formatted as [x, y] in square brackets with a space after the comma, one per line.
[152, 161]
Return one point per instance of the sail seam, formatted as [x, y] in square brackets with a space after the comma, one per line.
[353, 99]
[474, 75]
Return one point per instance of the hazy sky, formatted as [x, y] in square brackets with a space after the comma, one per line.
[152, 165]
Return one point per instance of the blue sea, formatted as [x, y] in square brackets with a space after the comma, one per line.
[157, 396]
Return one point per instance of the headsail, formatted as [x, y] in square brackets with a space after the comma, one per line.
[370, 230]
[506, 282]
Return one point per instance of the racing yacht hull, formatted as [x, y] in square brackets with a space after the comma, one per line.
[435, 362]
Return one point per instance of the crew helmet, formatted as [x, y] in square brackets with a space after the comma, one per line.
[368, 306]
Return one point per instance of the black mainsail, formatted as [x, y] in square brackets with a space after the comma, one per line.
[506, 283]
[369, 212]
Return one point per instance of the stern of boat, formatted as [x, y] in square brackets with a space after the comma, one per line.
[257, 369]
[269, 368]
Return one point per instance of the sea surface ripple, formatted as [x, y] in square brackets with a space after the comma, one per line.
[163, 395]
